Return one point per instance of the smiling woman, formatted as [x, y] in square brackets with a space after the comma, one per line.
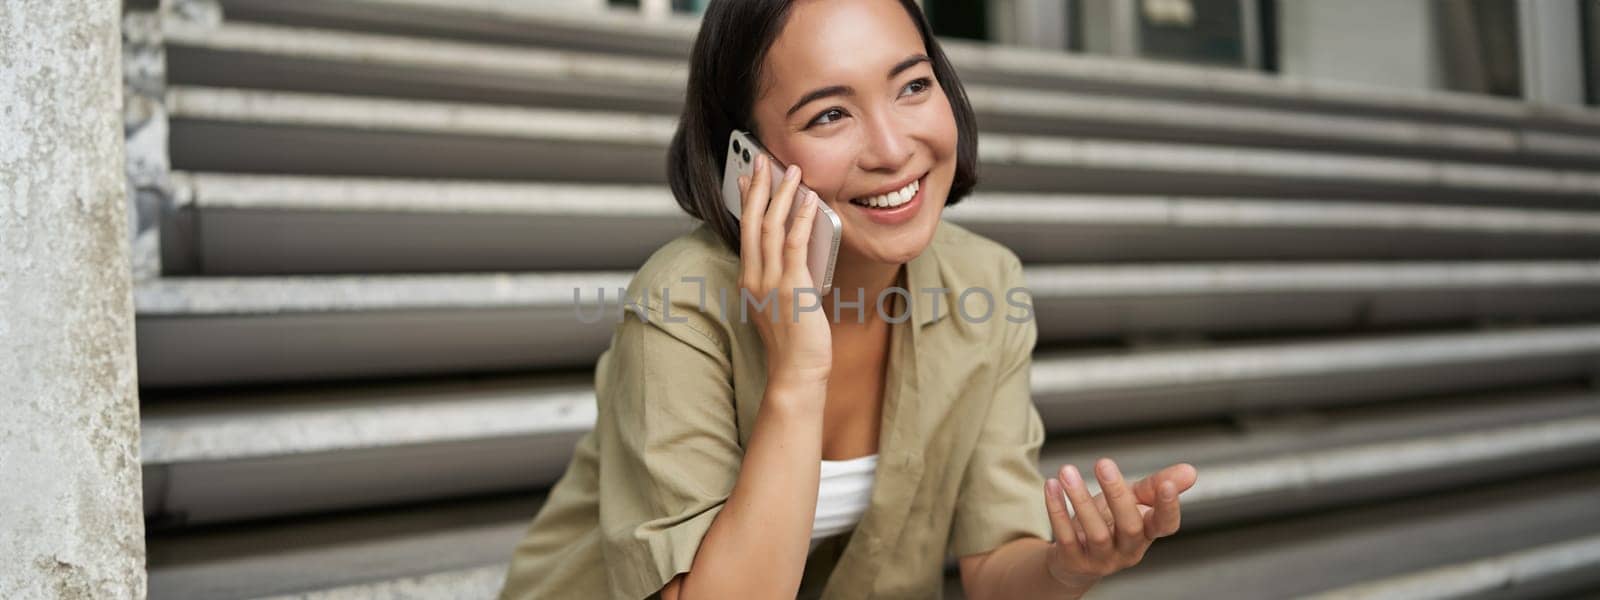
[859, 94]
[842, 449]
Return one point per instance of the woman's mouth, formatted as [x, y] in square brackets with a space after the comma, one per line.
[894, 207]
[891, 199]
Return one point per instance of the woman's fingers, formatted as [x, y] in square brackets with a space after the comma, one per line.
[1097, 536]
[772, 228]
[794, 255]
[1125, 512]
[1094, 545]
[1105, 509]
[1163, 521]
[1055, 503]
[754, 194]
[1182, 475]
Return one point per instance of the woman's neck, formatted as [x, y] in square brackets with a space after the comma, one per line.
[870, 278]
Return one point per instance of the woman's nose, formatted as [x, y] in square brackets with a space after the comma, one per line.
[888, 145]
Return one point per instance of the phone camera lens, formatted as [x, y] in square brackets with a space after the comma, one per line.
[736, 147]
[747, 156]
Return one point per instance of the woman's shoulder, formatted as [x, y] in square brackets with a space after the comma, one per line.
[969, 259]
[676, 288]
[693, 257]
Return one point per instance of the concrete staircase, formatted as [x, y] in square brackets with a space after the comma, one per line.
[1371, 319]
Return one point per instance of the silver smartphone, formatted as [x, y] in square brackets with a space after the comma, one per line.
[826, 228]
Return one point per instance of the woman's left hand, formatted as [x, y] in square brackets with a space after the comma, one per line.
[1112, 530]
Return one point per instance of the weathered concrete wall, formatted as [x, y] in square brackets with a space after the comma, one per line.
[70, 517]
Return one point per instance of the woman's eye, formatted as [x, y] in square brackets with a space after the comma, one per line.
[917, 86]
[819, 121]
[922, 85]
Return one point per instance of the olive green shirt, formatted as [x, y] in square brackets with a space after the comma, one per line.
[678, 392]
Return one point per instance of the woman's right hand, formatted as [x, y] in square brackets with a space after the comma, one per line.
[773, 263]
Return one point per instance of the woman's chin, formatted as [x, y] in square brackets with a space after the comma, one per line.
[892, 247]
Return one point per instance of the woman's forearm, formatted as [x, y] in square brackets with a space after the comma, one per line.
[756, 546]
[1017, 569]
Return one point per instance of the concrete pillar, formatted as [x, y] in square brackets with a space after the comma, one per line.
[71, 522]
[1003, 17]
[1389, 43]
[1552, 51]
[1110, 27]
[1030, 23]
[655, 9]
[1250, 21]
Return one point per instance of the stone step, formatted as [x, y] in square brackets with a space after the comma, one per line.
[218, 330]
[494, 21]
[459, 549]
[408, 547]
[233, 455]
[253, 131]
[285, 224]
[517, 23]
[1337, 548]
[247, 55]
[1264, 464]
[1564, 567]
[244, 55]
[213, 456]
[470, 582]
[1558, 567]
[1085, 391]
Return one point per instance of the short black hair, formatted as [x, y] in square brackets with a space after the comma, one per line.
[724, 70]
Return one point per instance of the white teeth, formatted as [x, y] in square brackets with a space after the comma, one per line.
[892, 199]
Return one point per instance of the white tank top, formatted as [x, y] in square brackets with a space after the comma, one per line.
[843, 494]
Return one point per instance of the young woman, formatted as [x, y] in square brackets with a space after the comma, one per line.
[763, 451]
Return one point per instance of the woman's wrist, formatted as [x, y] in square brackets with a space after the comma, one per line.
[798, 381]
[800, 394]
[1071, 582]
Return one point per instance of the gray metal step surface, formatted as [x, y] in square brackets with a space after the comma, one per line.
[234, 455]
[434, 548]
[1333, 549]
[286, 224]
[305, 556]
[1529, 573]
[1272, 464]
[1153, 299]
[235, 130]
[494, 21]
[215, 330]
[229, 456]
[232, 330]
[254, 225]
[322, 61]
[1089, 391]
[510, 22]
[470, 582]
[246, 55]
[1559, 568]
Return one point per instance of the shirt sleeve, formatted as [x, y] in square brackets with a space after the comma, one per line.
[1002, 492]
[669, 445]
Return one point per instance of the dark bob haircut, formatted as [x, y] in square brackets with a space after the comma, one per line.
[724, 69]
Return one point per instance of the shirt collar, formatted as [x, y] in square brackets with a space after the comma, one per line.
[923, 272]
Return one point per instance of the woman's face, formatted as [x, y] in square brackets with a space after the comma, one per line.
[849, 95]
